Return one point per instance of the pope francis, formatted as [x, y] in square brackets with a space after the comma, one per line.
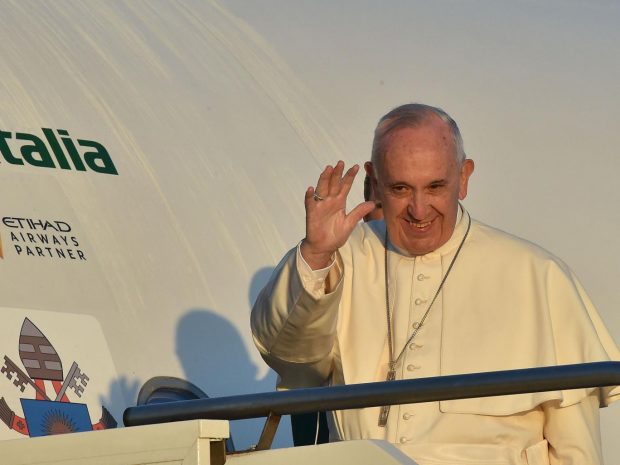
[429, 291]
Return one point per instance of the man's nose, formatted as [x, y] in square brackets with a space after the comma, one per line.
[418, 206]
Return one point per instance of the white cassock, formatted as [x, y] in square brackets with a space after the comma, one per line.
[506, 304]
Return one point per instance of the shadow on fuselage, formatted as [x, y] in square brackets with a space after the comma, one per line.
[215, 358]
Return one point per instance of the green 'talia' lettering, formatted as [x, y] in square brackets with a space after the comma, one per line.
[36, 152]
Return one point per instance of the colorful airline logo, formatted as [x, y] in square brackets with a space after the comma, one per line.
[36, 152]
[49, 412]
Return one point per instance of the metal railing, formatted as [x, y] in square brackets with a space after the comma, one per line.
[498, 383]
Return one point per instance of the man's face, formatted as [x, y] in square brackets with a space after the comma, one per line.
[419, 183]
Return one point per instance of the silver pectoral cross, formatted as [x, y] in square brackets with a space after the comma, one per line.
[385, 410]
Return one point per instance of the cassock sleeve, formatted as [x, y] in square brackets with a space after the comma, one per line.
[295, 330]
[573, 432]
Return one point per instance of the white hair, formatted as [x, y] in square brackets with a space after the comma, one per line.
[413, 115]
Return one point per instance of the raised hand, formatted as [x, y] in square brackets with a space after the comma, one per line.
[327, 224]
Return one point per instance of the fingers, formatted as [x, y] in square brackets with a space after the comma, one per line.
[323, 184]
[348, 179]
[331, 181]
[336, 178]
[332, 184]
[308, 197]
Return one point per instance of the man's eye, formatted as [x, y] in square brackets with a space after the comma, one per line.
[399, 188]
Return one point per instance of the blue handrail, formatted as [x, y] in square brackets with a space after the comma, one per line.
[497, 383]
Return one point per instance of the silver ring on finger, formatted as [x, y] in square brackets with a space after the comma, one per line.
[317, 197]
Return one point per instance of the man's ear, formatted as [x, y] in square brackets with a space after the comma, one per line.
[466, 170]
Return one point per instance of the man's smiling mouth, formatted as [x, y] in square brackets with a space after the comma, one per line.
[419, 225]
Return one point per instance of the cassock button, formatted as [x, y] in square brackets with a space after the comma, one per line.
[421, 277]
[407, 416]
[412, 367]
[403, 440]
[416, 325]
[419, 301]
[414, 346]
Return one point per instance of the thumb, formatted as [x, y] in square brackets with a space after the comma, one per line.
[360, 211]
